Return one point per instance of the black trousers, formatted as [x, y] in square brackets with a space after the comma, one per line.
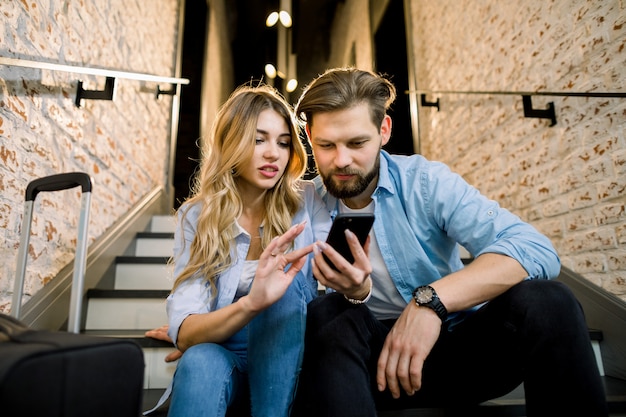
[534, 333]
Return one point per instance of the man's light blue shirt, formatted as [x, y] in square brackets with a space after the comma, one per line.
[423, 210]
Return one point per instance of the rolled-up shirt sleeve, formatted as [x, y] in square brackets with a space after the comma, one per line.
[482, 226]
[189, 298]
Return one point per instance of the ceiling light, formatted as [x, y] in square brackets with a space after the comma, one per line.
[270, 71]
[285, 19]
[292, 85]
[274, 17]
[271, 19]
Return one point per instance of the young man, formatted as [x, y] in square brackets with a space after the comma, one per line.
[408, 325]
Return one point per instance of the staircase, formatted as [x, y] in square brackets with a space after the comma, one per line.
[135, 302]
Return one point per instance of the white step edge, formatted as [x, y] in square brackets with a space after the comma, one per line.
[142, 276]
[125, 313]
[595, 345]
[158, 373]
[154, 246]
[162, 224]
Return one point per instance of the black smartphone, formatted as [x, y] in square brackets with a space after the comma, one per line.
[358, 223]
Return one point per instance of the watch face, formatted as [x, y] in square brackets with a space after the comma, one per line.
[424, 295]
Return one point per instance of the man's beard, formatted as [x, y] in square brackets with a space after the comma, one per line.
[355, 186]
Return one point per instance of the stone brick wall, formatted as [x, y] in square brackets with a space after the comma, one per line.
[568, 180]
[123, 144]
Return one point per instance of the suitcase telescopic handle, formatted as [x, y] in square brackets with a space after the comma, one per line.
[58, 182]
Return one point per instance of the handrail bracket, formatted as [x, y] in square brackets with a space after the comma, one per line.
[539, 113]
[173, 90]
[425, 103]
[106, 94]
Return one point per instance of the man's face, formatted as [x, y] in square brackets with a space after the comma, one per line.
[346, 145]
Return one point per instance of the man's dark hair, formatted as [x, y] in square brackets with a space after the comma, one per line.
[343, 88]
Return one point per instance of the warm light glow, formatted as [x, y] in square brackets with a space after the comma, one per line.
[283, 16]
[271, 19]
[283, 72]
[285, 19]
[292, 85]
[270, 71]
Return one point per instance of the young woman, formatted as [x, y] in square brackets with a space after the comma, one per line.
[242, 281]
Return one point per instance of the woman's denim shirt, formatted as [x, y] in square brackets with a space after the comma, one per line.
[423, 210]
[194, 296]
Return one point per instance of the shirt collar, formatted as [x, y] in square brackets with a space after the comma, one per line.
[385, 181]
[241, 231]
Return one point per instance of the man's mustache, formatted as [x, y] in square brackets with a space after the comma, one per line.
[345, 172]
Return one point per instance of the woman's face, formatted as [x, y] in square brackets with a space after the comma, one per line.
[271, 154]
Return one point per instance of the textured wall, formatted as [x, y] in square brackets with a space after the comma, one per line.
[122, 144]
[568, 180]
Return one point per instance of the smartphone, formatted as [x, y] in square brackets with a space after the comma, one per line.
[358, 223]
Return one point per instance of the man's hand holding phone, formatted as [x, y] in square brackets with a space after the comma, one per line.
[342, 262]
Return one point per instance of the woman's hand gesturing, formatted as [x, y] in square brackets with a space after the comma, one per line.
[272, 278]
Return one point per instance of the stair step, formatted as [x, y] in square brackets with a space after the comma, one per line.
[158, 373]
[137, 302]
[513, 404]
[135, 335]
[510, 405]
[596, 337]
[150, 398]
[125, 309]
[142, 272]
[154, 244]
[163, 224]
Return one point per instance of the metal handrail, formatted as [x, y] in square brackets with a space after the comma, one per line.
[605, 94]
[111, 76]
[91, 71]
[529, 110]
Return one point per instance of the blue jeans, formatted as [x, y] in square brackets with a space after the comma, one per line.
[265, 356]
[209, 377]
[534, 333]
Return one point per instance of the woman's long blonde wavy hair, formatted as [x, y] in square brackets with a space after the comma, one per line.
[228, 148]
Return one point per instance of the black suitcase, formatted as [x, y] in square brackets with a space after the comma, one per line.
[61, 374]
[65, 374]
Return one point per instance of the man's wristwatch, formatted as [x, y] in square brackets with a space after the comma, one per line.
[426, 296]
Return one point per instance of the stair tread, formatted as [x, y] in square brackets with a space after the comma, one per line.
[134, 335]
[155, 235]
[141, 259]
[615, 387]
[142, 293]
[595, 334]
[513, 404]
[615, 390]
